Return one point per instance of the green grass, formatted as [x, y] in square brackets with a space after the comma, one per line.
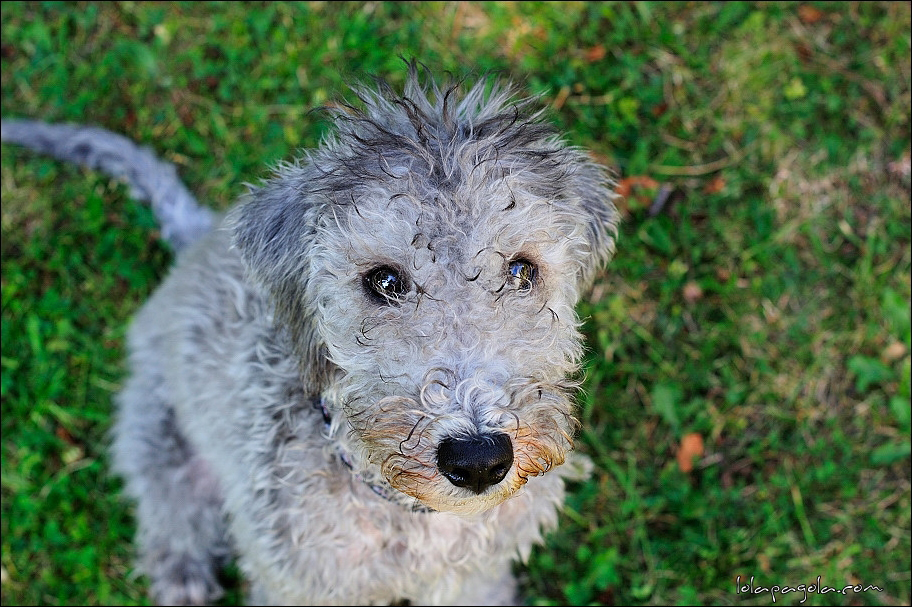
[764, 307]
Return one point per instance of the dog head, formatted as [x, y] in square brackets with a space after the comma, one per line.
[426, 259]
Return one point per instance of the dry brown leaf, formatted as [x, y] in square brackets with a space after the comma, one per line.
[691, 447]
[808, 14]
[716, 184]
[595, 53]
[894, 351]
[692, 292]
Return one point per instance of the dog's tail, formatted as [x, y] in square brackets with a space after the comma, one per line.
[181, 218]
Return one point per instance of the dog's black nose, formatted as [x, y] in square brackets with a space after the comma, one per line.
[475, 462]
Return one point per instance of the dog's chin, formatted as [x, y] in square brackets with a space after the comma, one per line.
[441, 496]
[434, 491]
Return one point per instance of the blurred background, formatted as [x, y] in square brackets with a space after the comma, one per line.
[747, 397]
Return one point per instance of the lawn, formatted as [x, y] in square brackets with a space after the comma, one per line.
[747, 390]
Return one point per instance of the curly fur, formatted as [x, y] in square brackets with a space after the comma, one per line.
[280, 410]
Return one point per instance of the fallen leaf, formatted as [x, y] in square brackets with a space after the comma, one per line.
[715, 185]
[894, 351]
[64, 435]
[808, 14]
[659, 110]
[692, 292]
[595, 53]
[626, 186]
[691, 447]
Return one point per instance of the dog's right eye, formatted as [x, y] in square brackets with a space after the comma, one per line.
[523, 273]
[386, 283]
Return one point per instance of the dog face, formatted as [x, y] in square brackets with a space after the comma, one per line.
[426, 260]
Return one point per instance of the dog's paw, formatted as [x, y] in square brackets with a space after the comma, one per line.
[185, 581]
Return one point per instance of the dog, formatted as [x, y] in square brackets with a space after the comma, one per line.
[360, 381]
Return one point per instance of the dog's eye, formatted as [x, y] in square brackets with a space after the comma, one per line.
[522, 272]
[386, 283]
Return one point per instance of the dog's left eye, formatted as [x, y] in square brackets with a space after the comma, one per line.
[523, 273]
[386, 283]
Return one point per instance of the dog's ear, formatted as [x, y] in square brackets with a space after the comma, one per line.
[273, 234]
[593, 187]
[274, 231]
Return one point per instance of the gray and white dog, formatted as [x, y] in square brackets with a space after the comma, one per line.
[360, 382]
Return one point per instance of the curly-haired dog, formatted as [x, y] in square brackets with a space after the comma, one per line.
[361, 381]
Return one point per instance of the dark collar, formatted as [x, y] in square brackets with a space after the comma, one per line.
[383, 489]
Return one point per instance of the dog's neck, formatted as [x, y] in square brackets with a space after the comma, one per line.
[381, 488]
